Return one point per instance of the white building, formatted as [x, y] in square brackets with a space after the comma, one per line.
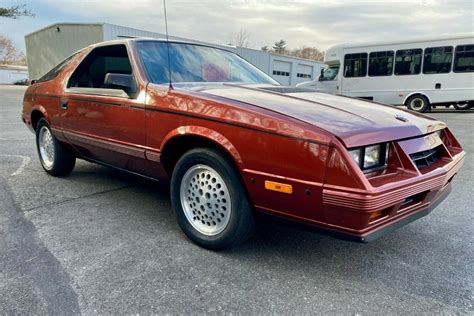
[10, 73]
[48, 46]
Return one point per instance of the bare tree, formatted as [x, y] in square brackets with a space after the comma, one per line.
[8, 51]
[9, 54]
[308, 53]
[21, 59]
[16, 11]
[242, 39]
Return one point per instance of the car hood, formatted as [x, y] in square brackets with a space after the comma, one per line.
[355, 122]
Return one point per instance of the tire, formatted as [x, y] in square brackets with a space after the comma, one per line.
[55, 159]
[215, 213]
[462, 107]
[418, 103]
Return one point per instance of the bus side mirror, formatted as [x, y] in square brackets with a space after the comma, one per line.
[321, 75]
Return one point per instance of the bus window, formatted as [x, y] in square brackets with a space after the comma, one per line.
[464, 59]
[381, 63]
[355, 65]
[437, 60]
[408, 62]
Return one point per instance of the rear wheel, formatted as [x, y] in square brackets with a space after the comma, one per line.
[462, 106]
[55, 159]
[418, 103]
[210, 200]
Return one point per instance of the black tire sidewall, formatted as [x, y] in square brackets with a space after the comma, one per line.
[240, 218]
[43, 123]
[462, 108]
[63, 162]
[425, 100]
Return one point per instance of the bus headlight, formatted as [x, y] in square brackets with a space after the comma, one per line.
[370, 157]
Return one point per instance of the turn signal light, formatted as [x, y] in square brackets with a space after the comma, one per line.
[279, 187]
[375, 215]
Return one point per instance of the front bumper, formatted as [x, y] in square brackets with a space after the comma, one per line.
[349, 213]
[404, 220]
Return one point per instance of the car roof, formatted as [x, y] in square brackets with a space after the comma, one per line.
[125, 41]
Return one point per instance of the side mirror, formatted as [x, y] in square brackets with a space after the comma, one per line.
[321, 75]
[121, 81]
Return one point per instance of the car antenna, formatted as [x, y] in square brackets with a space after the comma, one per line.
[167, 44]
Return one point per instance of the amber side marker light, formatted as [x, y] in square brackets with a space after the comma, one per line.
[375, 215]
[279, 187]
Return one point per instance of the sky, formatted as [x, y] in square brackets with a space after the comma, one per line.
[299, 22]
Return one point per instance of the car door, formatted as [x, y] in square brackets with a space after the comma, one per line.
[104, 122]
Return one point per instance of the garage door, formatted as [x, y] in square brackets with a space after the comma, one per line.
[303, 73]
[281, 71]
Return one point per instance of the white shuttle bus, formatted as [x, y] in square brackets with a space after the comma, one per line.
[421, 74]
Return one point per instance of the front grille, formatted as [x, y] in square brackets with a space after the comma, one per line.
[425, 158]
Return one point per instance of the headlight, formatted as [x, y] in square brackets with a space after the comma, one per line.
[370, 157]
[355, 154]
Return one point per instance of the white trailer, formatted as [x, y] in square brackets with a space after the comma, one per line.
[420, 74]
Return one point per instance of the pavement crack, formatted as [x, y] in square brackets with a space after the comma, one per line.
[77, 198]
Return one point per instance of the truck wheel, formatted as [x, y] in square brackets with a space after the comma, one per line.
[210, 200]
[418, 103]
[56, 159]
[462, 106]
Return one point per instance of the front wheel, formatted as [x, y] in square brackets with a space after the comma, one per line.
[418, 103]
[210, 200]
[55, 159]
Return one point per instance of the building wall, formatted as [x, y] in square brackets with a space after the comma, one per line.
[49, 46]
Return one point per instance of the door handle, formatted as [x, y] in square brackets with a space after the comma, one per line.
[438, 86]
[64, 103]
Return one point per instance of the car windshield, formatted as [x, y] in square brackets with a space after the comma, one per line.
[330, 73]
[195, 63]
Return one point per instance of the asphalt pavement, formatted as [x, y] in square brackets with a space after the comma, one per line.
[102, 241]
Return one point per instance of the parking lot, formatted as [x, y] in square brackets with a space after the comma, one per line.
[101, 241]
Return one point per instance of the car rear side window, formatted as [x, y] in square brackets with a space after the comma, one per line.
[408, 61]
[355, 65]
[100, 61]
[53, 73]
[437, 60]
[464, 59]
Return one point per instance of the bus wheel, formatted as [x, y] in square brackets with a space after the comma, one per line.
[462, 106]
[418, 103]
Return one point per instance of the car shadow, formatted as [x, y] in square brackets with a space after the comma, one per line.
[273, 234]
[402, 260]
[449, 111]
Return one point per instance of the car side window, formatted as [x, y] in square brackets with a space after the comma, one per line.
[100, 62]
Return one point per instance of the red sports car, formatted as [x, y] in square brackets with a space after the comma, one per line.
[233, 142]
